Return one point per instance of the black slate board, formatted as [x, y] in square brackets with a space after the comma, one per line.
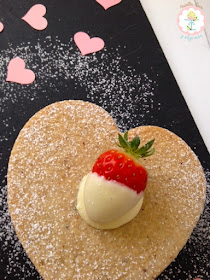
[130, 78]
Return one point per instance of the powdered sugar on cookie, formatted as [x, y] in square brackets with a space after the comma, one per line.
[54, 150]
[121, 94]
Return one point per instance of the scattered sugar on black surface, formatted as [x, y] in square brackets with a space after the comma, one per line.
[61, 72]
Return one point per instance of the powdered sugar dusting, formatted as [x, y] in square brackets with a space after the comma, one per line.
[106, 77]
[53, 234]
[195, 251]
[12, 254]
[110, 86]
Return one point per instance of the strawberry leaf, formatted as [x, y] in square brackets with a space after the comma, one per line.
[149, 153]
[126, 136]
[131, 147]
[123, 142]
[134, 144]
[144, 150]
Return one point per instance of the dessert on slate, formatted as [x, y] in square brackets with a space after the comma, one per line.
[112, 193]
[55, 149]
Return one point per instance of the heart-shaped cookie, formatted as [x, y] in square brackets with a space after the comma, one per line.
[52, 153]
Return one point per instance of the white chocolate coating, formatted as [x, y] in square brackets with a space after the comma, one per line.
[106, 204]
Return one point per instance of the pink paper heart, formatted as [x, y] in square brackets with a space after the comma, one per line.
[17, 72]
[35, 17]
[108, 3]
[1, 27]
[86, 44]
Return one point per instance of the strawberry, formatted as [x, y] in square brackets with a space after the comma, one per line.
[123, 166]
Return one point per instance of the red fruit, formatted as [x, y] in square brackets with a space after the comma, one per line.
[123, 167]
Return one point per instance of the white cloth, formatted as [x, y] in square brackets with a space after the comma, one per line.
[189, 59]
